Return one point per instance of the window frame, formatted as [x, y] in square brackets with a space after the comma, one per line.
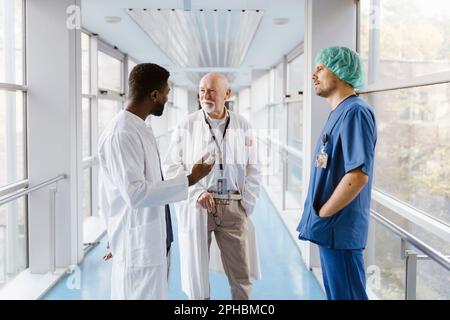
[405, 210]
[20, 184]
[96, 93]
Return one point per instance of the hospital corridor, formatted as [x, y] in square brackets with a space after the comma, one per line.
[288, 281]
[212, 150]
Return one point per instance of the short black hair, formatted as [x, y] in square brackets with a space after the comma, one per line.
[145, 78]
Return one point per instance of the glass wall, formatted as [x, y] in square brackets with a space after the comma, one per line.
[85, 64]
[413, 147]
[12, 41]
[400, 42]
[109, 77]
[86, 201]
[295, 73]
[109, 72]
[12, 137]
[131, 65]
[13, 215]
[107, 109]
[295, 143]
[294, 109]
[405, 38]
[278, 119]
[102, 98]
[86, 154]
[86, 113]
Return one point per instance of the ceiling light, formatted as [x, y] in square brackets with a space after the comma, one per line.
[113, 19]
[201, 38]
[280, 21]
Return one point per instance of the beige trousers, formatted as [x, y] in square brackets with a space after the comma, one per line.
[230, 227]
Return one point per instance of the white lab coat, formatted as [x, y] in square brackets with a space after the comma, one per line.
[189, 142]
[132, 201]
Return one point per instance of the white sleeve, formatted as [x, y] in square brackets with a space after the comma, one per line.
[126, 161]
[250, 194]
[174, 164]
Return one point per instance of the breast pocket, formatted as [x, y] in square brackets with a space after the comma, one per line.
[146, 245]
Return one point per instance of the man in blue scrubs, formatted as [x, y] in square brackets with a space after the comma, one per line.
[336, 210]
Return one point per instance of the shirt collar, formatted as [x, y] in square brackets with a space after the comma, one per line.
[344, 102]
[220, 121]
[136, 119]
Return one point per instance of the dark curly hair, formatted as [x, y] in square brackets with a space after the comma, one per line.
[145, 78]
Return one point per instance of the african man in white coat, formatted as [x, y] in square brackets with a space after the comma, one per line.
[134, 194]
[216, 215]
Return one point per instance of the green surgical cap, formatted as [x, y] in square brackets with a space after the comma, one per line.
[344, 63]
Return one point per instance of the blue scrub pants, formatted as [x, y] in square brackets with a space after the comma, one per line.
[344, 276]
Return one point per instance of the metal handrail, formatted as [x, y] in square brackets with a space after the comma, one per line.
[13, 87]
[26, 191]
[413, 214]
[8, 189]
[403, 234]
[411, 257]
[90, 162]
[431, 252]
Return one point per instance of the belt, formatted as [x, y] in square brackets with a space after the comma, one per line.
[227, 196]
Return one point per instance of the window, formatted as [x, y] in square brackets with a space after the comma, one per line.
[11, 41]
[405, 38]
[295, 141]
[13, 215]
[86, 121]
[295, 124]
[131, 65]
[85, 64]
[12, 137]
[385, 255]
[107, 109]
[102, 99]
[87, 193]
[86, 133]
[109, 72]
[278, 78]
[413, 152]
[401, 42]
[13, 239]
[277, 121]
[109, 77]
[177, 110]
[295, 75]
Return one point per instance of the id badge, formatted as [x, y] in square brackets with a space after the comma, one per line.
[322, 159]
[222, 186]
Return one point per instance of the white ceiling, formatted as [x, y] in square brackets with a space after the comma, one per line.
[270, 43]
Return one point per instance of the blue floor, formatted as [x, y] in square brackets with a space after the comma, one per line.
[284, 276]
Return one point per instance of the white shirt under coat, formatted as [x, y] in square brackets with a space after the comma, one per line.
[210, 181]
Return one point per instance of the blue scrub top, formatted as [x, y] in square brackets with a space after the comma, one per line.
[351, 132]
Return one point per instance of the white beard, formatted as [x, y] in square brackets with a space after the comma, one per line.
[208, 107]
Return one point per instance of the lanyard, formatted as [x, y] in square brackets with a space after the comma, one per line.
[215, 140]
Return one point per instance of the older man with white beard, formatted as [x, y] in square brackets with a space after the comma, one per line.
[218, 208]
